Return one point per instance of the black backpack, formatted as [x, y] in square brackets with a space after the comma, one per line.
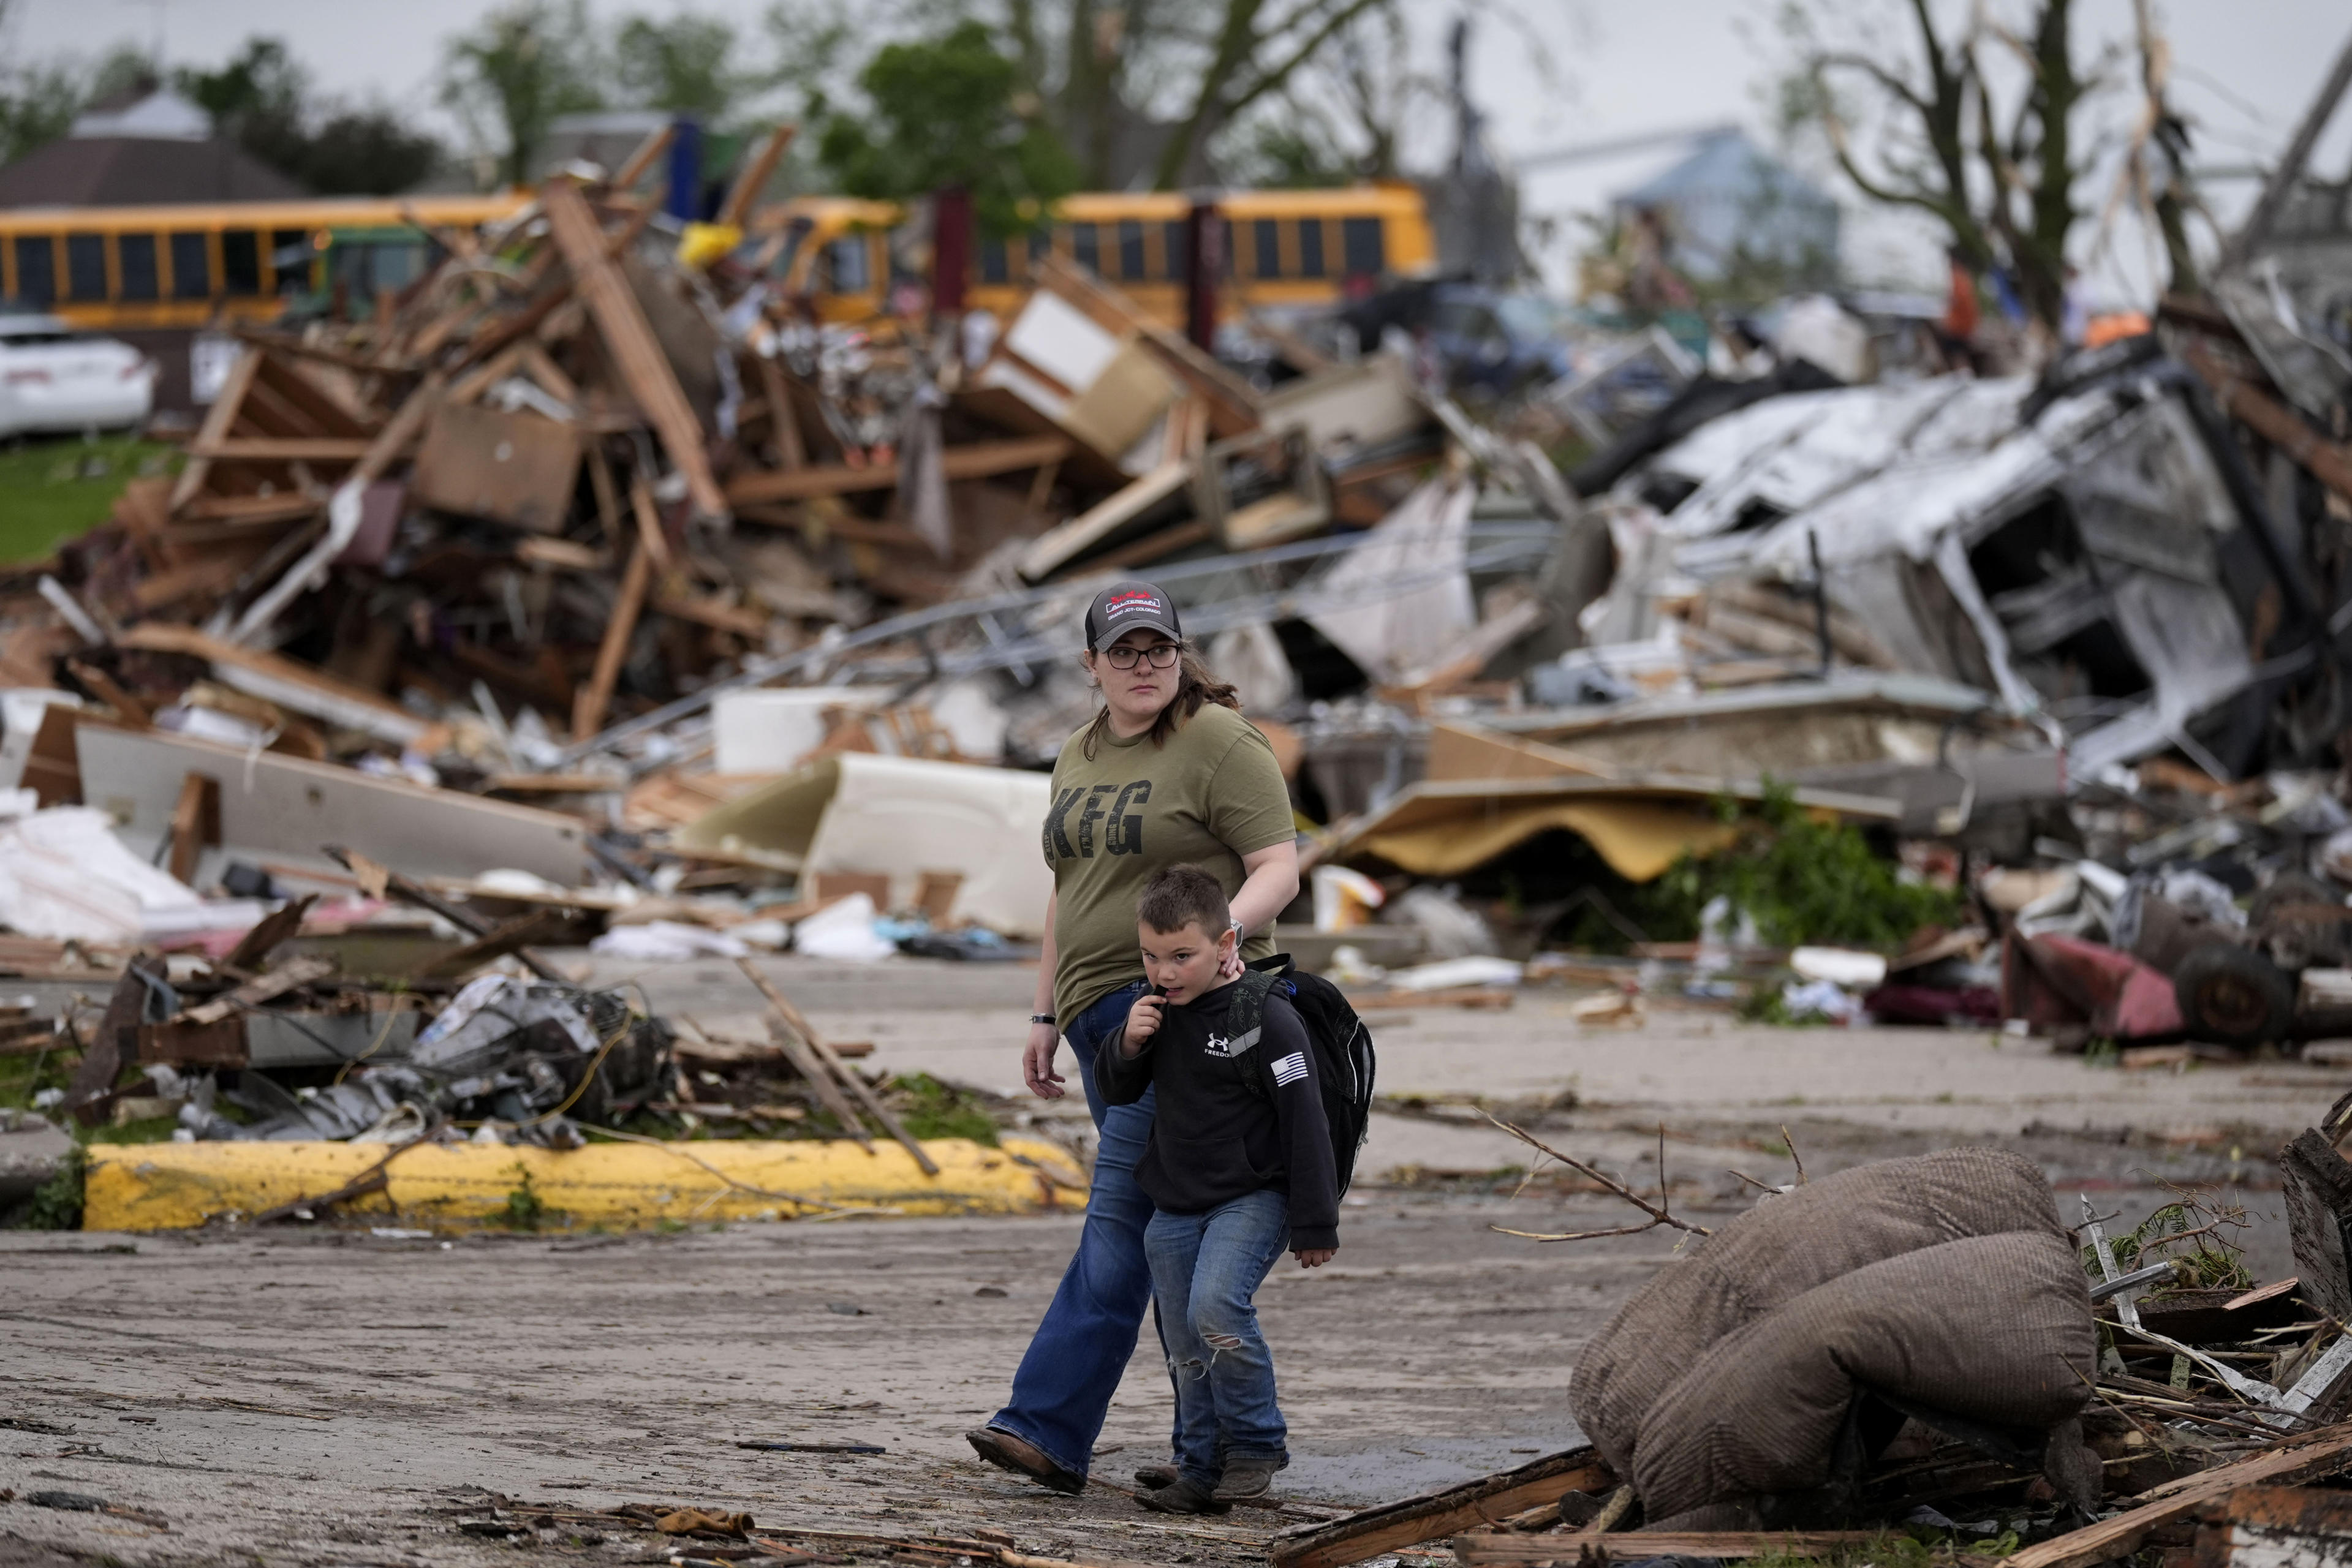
[1344, 1058]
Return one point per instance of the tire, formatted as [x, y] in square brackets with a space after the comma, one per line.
[2233, 995]
[2288, 890]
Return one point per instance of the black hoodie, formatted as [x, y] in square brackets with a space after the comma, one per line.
[1230, 1121]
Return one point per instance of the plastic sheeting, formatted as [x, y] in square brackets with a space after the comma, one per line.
[64, 876]
[901, 817]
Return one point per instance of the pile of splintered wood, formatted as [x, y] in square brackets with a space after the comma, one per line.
[515, 493]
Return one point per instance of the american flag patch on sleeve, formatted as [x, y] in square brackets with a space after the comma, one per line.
[1291, 1069]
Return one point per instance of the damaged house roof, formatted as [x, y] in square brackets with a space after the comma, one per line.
[2084, 554]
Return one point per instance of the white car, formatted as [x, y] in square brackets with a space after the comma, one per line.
[54, 379]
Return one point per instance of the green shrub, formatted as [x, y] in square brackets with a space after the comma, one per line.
[1800, 880]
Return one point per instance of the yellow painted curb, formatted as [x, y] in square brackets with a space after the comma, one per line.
[168, 1187]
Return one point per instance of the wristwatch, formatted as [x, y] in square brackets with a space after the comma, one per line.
[1241, 932]
[1041, 1018]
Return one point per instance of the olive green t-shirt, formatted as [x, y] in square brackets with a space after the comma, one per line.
[1211, 795]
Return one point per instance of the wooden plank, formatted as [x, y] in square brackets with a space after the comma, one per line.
[291, 976]
[1232, 402]
[636, 353]
[2326, 1452]
[281, 680]
[1153, 546]
[101, 1060]
[513, 937]
[563, 554]
[253, 949]
[219, 420]
[281, 449]
[106, 689]
[1375, 1531]
[973, 460]
[589, 704]
[840, 1070]
[181, 1042]
[715, 613]
[648, 153]
[196, 824]
[746, 189]
[1517, 1551]
[2275, 422]
[783, 417]
[1057, 546]
[807, 1063]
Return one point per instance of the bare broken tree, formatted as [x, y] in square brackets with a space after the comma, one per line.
[1999, 177]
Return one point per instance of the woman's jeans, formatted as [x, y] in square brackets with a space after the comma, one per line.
[1081, 1349]
[1205, 1270]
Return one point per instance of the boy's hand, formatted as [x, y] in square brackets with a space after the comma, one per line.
[1142, 1022]
[1314, 1257]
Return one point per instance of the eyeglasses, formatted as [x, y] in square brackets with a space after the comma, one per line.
[1161, 654]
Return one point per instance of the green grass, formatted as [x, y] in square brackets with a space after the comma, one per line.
[931, 1109]
[57, 488]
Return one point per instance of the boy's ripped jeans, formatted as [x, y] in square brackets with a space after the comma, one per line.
[1205, 1270]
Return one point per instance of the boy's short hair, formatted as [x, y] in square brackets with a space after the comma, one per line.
[1180, 895]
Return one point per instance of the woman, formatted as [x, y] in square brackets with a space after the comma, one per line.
[1168, 773]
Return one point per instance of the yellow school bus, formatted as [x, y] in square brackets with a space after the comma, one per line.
[1285, 248]
[138, 270]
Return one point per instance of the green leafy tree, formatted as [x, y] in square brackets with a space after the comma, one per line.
[688, 63]
[257, 98]
[38, 105]
[262, 98]
[510, 76]
[948, 112]
[367, 153]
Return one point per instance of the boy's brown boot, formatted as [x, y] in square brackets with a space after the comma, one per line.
[1151, 1478]
[1185, 1495]
[1246, 1478]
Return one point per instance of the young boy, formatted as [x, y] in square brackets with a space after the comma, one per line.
[1239, 1164]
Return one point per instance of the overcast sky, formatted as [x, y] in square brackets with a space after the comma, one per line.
[1568, 72]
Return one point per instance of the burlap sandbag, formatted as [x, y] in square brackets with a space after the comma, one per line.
[1778, 1250]
[1996, 1328]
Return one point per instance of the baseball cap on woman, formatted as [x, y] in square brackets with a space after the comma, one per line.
[1124, 606]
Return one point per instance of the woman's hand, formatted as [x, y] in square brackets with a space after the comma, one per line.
[1037, 1061]
[1315, 1256]
[1230, 967]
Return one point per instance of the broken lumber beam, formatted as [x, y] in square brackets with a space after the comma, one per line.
[381, 881]
[219, 420]
[2316, 1184]
[2326, 1452]
[635, 352]
[2275, 422]
[291, 976]
[539, 926]
[824, 1069]
[182, 1043]
[254, 946]
[286, 681]
[1448, 1512]
[648, 153]
[748, 184]
[840, 1070]
[588, 707]
[101, 1060]
[973, 460]
[281, 449]
[1635, 1546]
[196, 824]
[1233, 402]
